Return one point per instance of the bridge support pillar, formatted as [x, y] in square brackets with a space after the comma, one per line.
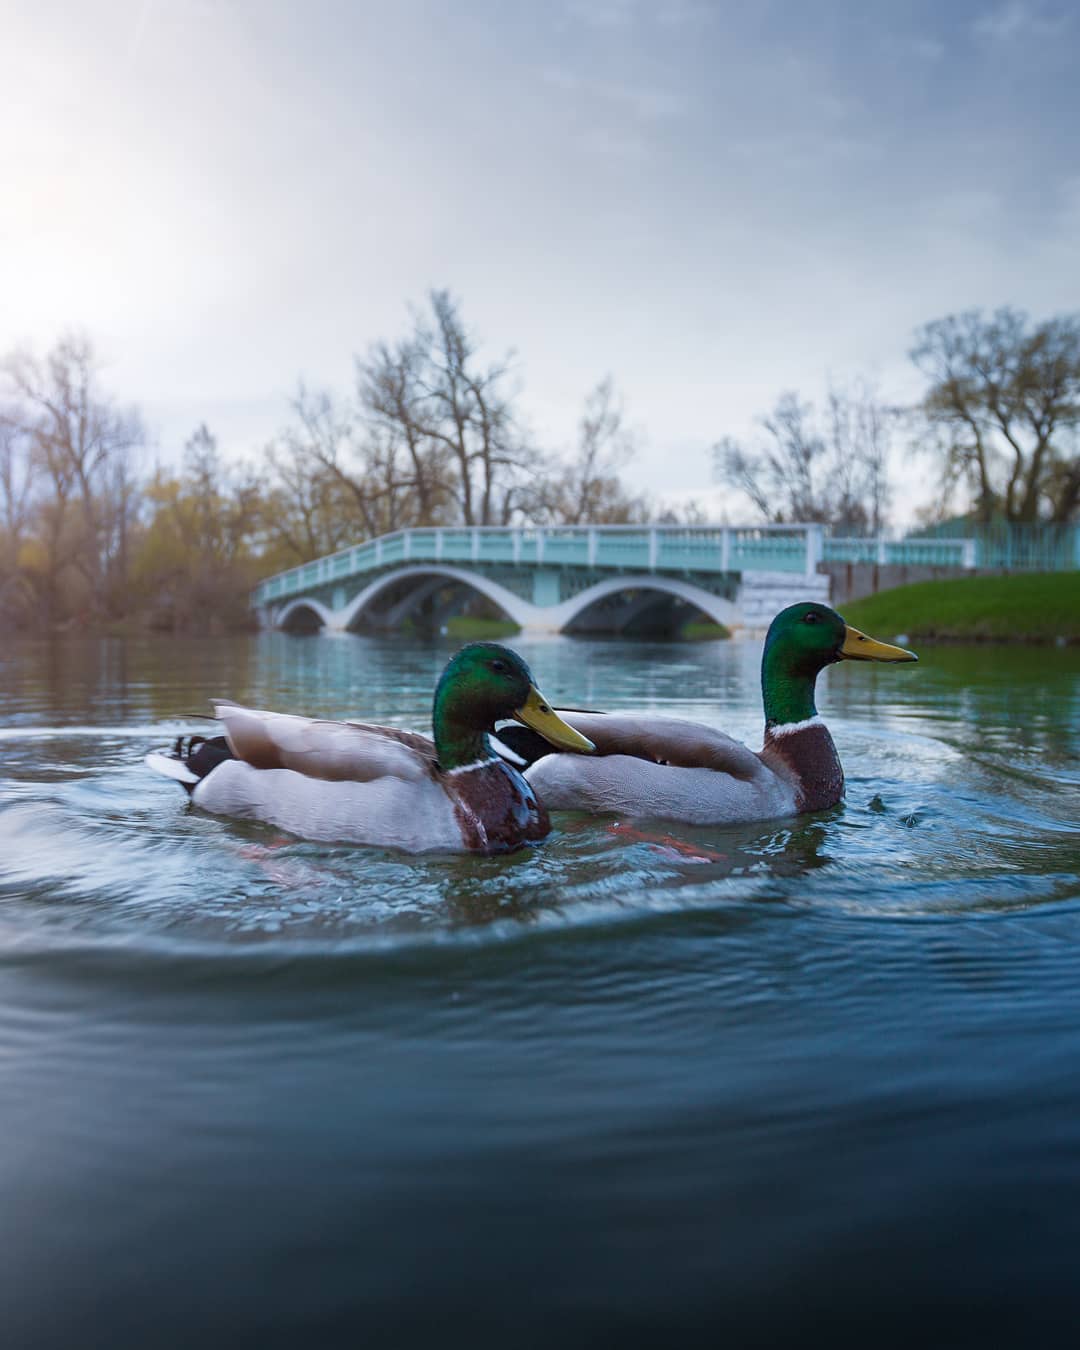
[546, 589]
[762, 595]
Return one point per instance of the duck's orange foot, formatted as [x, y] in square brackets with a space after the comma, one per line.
[679, 850]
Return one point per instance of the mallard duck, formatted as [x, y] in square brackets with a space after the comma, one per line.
[680, 770]
[366, 784]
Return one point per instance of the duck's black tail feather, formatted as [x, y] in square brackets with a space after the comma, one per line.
[202, 753]
[191, 759]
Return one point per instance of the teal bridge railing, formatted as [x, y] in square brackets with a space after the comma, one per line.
[1036, 546]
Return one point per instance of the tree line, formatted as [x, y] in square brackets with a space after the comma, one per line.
[431, 434]
[999, 418]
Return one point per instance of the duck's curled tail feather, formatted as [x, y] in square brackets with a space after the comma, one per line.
[191, 759]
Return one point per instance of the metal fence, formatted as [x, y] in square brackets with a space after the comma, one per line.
[1035, 547]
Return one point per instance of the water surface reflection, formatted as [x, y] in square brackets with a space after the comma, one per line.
[642, 1079]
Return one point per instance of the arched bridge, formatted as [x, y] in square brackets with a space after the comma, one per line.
[566, 578]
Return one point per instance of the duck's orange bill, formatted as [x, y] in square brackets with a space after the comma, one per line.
[858, 647]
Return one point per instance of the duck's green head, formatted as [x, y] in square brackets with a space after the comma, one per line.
[802, 640]
[483, 684]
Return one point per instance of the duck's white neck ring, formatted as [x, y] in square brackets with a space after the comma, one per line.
[501, 754]
[470, 768]
[790, 728]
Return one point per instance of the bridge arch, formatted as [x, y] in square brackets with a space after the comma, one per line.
[715, 607]
[517, 610]
[305, 615]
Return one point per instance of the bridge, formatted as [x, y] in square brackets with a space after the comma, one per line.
[607, 579]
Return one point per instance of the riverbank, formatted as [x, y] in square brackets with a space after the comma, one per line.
[467, 628]
[1040, 607]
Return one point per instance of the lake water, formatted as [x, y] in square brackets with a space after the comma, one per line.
[642, 1084]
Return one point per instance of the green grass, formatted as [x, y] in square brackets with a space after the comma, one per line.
[1029, 607]
[470, 629]
[703, 630]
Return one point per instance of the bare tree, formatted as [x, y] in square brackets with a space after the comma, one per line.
[778, 473]
[433, 437]
[587, 488]
[195, 560]
[833, 472]
[349, 472]
[391, 400]
[323, 437]
[16, 507]
[304, 513]
[81, 443]
[1063, 477]
[17, 473]
[224, 503]
[859, 436]
[467, 409]
[1004, 402]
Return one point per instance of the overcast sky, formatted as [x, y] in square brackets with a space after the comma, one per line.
[711, 201]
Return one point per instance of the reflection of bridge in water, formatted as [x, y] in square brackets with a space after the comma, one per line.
[607, 579]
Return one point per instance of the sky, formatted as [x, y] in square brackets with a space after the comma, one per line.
[712, 202]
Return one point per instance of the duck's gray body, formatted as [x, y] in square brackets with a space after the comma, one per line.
[413, 815]
[360, 783]
[670, 769]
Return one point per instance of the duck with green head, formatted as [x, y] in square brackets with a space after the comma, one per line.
[366, 784]
[678, 770]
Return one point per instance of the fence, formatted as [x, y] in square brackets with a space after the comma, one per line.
[1035, 547]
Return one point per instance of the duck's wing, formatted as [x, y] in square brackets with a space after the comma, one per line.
[666, 740]
[355, 752]
[663, 768]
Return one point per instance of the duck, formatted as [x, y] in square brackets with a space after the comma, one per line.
[671, 769]
[361, 783]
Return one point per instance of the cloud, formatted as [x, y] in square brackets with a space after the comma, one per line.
[927, 49]
[602, 13]
[805, 150]
[1017, 19]
[613, 14]
[619, 119]
[607, 143]
[643, 102]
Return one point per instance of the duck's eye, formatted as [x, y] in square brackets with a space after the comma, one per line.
[500, 667]
[810, 618]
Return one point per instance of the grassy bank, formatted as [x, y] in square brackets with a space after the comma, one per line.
[1035, 607]
[468, 629]
[703, 630]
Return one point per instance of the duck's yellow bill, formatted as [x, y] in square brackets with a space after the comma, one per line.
[535, 712]
[858, 647]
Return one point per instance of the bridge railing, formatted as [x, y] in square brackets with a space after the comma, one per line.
[1034, 546]
[660, 548]
[912, 552]
[1012, 546]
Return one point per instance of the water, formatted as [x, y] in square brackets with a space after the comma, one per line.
[646, 1083]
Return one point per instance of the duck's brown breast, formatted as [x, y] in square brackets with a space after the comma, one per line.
[806, 755]
[495, 807]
